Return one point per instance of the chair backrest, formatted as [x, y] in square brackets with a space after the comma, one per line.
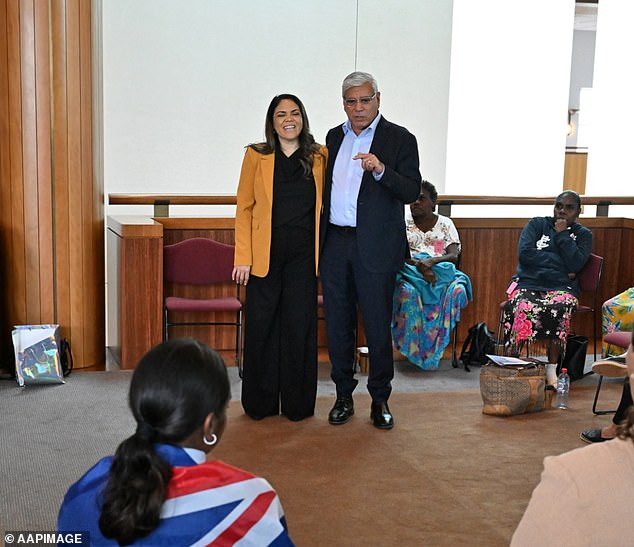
[198, 261]
[589, 276]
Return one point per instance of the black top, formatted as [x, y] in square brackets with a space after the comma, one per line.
[293, 193]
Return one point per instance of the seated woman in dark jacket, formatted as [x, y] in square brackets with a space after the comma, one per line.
[552, 250]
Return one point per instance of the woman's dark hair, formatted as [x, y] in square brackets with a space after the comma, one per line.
[625, 430]
[573, 195]
[307, 145]
[428, 187]
[173, 389]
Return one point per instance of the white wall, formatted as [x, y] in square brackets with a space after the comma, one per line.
[407, 45]
[187, 84]
[508, 104]
[483, 85]
[610, 139]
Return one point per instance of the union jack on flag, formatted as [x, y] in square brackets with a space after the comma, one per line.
[210, 504]
[235, 507]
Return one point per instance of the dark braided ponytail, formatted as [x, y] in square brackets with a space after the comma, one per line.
[173, 389]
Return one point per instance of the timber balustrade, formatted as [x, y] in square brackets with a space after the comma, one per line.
[161, 202]
[489, 258]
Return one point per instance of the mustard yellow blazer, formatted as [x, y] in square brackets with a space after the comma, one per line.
[255, 209]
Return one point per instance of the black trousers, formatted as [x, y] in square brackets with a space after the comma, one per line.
[346, 285]
[624, 404]
[280, 330]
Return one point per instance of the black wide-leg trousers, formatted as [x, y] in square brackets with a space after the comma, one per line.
[280, 343]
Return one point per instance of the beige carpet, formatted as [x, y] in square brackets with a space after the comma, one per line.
[445, 475]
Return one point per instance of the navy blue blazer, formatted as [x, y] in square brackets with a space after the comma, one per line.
[381, 235]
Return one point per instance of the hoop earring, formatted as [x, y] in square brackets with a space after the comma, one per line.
[212, 441]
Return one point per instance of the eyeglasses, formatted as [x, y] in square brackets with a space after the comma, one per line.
[568, 206]
[363, 100]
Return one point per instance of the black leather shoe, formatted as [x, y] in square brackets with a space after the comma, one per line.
[342, 411]
[381, 415]
[593, 436]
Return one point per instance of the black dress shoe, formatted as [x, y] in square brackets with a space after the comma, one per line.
[381, 415]
[342, 411]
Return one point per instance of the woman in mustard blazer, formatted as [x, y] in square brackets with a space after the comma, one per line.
[277, 233]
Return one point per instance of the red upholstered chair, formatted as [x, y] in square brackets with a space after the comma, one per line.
[202, 261]
[613, 366]
[589, 281]
[619, 339]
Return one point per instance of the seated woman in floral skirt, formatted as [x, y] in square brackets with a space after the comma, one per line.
[552, 251]
[430, 291]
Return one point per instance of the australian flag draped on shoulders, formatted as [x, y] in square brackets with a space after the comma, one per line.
[209, 503]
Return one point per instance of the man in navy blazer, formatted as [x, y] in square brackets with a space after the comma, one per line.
[372, 172]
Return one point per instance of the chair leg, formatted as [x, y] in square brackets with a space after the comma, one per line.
[596, 398]
[165, 326]
[499, 340]
[594, 329]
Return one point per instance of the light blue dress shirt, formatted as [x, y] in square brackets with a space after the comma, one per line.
[347, 174]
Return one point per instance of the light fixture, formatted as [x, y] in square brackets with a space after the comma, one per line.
[572, 126]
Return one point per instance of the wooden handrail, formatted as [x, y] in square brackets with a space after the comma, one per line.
[162, 202]
[531, 200]
[171, 199]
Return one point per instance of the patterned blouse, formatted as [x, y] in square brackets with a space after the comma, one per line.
[435, 241]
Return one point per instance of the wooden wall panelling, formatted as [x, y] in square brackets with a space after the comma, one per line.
[61, 160]
[73, 189]
[141, 331]
[16, 255]
[29, 159]
[575, 168]
[135, 266]
[490, 259]
[51, 272]
[79, 253]
[626, 270]
[45, 268]
[5, 175]
[91, 203]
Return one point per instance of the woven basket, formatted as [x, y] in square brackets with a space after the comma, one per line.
[512, 390]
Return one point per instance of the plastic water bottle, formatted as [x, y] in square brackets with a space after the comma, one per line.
[563, 387]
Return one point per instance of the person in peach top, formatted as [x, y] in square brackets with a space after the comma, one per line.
[585, 495]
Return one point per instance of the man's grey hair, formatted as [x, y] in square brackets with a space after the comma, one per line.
[356, 79]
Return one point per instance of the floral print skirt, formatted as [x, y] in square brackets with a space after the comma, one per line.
[421, 332]
[530, 316]
[617, 313]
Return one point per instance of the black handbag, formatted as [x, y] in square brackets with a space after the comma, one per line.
[575, 356]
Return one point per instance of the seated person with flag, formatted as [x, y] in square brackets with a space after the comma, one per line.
[158, 488]
[430, 291]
